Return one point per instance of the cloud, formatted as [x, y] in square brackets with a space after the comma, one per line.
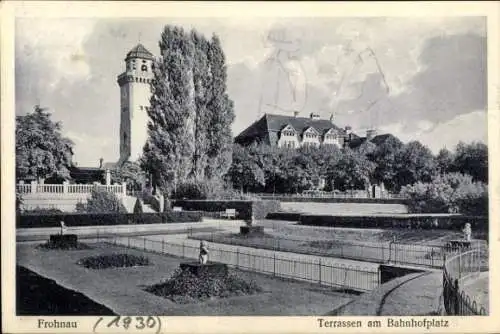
[466, 127]
[435, 68]
[88, 149]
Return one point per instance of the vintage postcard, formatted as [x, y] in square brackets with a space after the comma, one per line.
[212, 167]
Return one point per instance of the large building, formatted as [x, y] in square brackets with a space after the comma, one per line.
[295, 132]
[135, 93]
[287, 131]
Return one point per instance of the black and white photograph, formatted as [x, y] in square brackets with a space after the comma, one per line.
[328, 166]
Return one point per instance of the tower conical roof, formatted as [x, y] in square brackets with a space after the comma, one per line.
[139, 51]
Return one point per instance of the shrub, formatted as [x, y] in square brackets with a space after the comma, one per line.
[448, 193]
[113, 261]
[211, 189]
[42, 211]
[102, 201]
[190, 190]
[185, 287]
[138, 206]
[19, 202]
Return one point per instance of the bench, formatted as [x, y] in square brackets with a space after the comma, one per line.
[177, 208]
[229, 213]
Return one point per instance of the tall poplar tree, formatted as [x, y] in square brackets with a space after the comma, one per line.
[169, 148]
[221, 110]
[202, 93]
[191, 114]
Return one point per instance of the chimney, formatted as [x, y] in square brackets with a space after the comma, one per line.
[314, 116]
[348, 132]
[370, 134]
[100, 163]
[296, 113]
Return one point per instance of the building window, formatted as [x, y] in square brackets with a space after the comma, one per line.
[144, 68]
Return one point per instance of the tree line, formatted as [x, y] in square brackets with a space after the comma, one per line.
[260, 168]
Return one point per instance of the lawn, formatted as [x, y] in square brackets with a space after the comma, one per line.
[342, 208]
[411, 246]
[122, 290]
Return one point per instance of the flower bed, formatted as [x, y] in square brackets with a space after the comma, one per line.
[113, 261]
[184, 287]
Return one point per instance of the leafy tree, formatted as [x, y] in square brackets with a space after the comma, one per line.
[414, 163]
[444, 160]
[245, 172]
[384, 158]
[203, 93]
[352, 171]
[191, 114]
[472, 159]
[168, 152]
[221, 113]
[41, 150]
[131, 173]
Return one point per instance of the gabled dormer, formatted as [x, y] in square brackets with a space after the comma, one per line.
[310, 132]
[310, 136]
[288, 137]
[332, 137]
[288, 131]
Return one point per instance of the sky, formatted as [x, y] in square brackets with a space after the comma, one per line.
[418, 78]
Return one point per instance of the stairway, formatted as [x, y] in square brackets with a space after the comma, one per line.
[129, 203]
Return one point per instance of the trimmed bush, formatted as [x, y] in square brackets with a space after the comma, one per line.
[138, 206]
[113, 261]
[185, 287]
[96, 219]
[260, 209]
[41, 211]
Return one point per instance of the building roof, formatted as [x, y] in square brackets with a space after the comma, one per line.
[377, 140]
[139, 51]
[276, 123]
[86, 174]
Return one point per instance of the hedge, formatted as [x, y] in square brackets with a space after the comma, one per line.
[336, 200]
[449, 222]
[96, 219]
[289, 216]
[259, 208]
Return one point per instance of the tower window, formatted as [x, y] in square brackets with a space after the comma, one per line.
[144, 68]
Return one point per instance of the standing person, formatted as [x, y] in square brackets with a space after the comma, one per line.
[203, 253]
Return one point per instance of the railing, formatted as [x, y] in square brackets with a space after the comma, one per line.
[338, 276]
[455, 271]
[346, 195]
[380, 252]
[67, 188]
